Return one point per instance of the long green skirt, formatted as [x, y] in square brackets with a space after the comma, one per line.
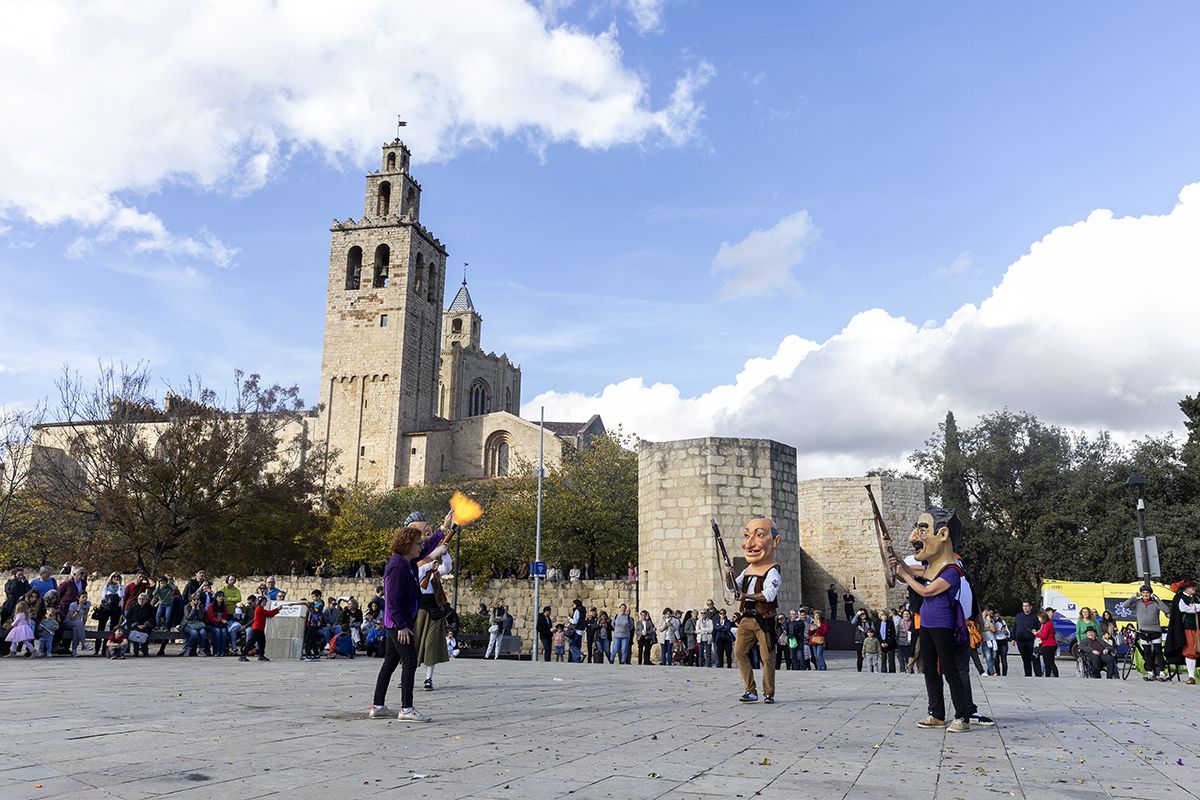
[430, 637]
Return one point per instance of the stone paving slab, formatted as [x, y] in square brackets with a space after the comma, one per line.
[214, 728]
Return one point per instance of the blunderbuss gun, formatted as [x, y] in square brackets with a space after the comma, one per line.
[883, 539]
[724, 564]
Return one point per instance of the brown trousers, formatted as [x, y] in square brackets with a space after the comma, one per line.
[749, 634]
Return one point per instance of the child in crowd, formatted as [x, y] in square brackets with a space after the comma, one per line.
[257, 639]
[21, 632]
[77, 615]
[163, 596]
[560, 641]
[46, 630]
[312, 629]
[374, 639]
[871, 650]
[451, 643]
[117, 643]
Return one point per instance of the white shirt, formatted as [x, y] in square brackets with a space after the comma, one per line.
[443, 567]
[771, 582]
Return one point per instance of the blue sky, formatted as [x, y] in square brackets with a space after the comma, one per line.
[919, 153]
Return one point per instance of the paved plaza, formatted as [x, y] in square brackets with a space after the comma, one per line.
[215, 728]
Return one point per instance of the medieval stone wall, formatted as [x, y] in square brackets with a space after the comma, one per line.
[837, 534]
[681, 485]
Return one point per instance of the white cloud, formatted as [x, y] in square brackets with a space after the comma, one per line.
[1094, 327]
[110, 102]
[960, 266]
[647, 14]
[762, 263]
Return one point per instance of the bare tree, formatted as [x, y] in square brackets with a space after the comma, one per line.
[16, 459]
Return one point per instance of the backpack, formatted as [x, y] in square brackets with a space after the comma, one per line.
[962, 634]
[341, 645]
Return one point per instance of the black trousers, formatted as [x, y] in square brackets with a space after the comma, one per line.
[1002, 656]
[255, 640]
[962, 658]
[1152, 655]
[546, 648]
[888, 660]
[1029, 658]
[644, 645]
[1105, 663]
[404, 655]
[938, 661]
[975, 659]
[1049, 669]
[724, 653]
[858, 647]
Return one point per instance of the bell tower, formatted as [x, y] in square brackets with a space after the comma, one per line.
[383, 313]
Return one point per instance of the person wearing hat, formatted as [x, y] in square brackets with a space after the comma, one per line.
[1183, 630]
[1148, 609]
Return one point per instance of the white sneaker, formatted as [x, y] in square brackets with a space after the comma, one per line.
[412, 715]
[379, 712]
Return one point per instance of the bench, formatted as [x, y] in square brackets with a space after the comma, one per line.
[474, 645]
[161, 637]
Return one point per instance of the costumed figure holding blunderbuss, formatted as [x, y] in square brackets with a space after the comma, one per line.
[756, 588]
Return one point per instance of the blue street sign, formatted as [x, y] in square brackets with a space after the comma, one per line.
[537, 569]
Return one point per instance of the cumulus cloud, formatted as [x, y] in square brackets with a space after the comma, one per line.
[110, 102]
[961, 265]
[1094, 327]
[762, 264]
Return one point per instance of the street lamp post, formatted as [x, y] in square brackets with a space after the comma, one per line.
[537, 547]
[1136, 484]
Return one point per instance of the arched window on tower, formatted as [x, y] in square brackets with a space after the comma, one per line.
[391, 162]
[384, 200]
[508, 399]
[382, 255]
[431, 296]
[479, 400]
[419, 276]
[496, 454]
[353, 267]
[456, 325]
[410, 200]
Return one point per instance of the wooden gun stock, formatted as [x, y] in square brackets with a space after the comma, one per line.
[883, 539]
[724, 554]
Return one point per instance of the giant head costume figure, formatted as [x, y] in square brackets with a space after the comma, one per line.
[760, 537]
[935, 537]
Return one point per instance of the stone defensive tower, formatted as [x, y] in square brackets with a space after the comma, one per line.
[837, 534]
[383, 312]
[682, 484]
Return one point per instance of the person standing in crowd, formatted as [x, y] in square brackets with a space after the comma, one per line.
[44, 582]
[1087, 620]
[796, 629]
[1183, 628]
[256, 640]
[579, 624]
[400, 613]
[667, 633]
[622, 635]
[1047, 644]
[1149, 630]
[989, 642]
[603, 638]
[631, 575]
[109, 611]
[848, 604]
[194, 583]
[163, 597]
[887, 642]
[871, 650]
[139, 584]
[1002, 636]
[817, 631]
[862, 624]
[590, 633]
[560, 643]
[1108, 625]
[644, 630]
[21, 633]
[1025, 627]
[496, 629]
[76, 623]
[723, 640]
[704, 640]
[687, 632]
[904, 640]
[545, 631]
[831, 593]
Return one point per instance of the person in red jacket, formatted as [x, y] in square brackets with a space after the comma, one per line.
[258, 629]
[1048, 644]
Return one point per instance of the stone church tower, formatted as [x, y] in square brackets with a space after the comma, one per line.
[473, 382]
[383, 313]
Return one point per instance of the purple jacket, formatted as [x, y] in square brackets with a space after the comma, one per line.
[400, 589]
